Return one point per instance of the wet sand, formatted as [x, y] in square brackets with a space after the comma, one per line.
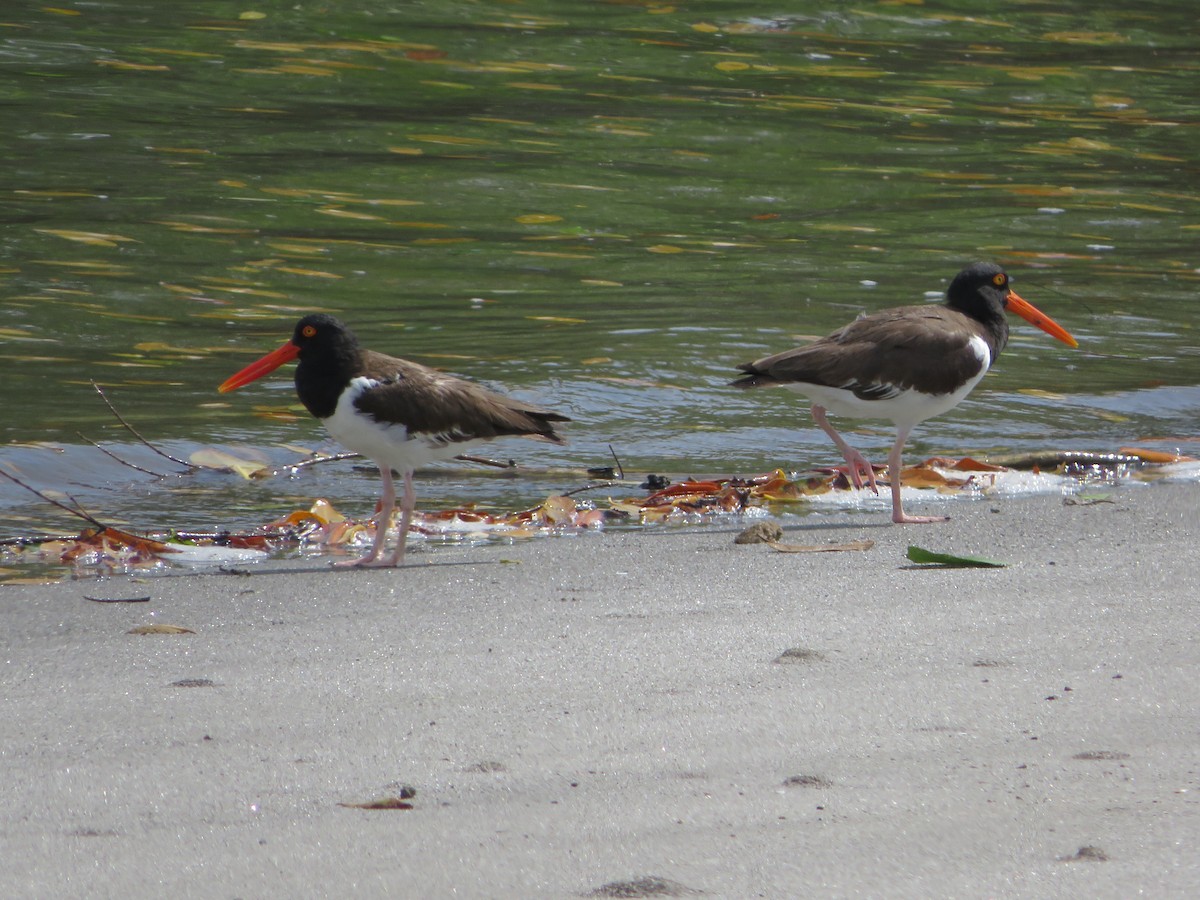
[650, 713]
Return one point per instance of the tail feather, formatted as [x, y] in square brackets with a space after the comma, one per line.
[753, 378]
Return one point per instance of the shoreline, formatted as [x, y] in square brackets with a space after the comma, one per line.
[620, 707]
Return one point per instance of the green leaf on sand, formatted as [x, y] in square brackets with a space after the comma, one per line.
[921, 555]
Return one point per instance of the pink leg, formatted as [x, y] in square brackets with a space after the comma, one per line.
[856, 462]
[387, 505]
[895, 466]
[406, 511]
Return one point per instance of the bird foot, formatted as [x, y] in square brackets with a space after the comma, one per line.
[370, 561]
[856, 467]
[903, 518]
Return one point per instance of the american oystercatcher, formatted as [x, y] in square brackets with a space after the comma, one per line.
[905, 364]
[397, 413]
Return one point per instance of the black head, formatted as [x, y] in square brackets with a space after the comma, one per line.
[329, 358]
[320, 335]
[980, 290]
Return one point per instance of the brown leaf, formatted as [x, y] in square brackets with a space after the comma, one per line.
[160, 629]
[382, 803]
[1153, 456]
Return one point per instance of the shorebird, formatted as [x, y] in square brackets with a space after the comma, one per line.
[397, 413]
[905, 364]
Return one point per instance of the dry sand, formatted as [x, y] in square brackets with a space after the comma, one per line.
[658, 713]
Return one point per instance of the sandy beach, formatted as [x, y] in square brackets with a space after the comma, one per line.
[647, 713]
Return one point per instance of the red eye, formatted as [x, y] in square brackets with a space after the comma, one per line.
[309, 330]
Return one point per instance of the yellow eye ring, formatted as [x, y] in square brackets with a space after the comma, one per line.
[999, 279]
[309, 330]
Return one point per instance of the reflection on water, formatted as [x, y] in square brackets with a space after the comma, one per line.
[603, 211]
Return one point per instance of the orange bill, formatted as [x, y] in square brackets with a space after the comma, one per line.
[1035, 316]
[268, 363]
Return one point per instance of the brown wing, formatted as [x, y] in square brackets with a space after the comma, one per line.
[447, 408]
[877, 356]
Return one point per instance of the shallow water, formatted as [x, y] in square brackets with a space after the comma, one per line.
[602, 209]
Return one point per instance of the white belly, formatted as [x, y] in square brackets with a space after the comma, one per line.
[905, 408]
[386, 444]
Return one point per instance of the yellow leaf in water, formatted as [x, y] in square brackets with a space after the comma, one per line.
[160, 347]
[564, 320]
[828, 226]
[212, 458]
[538, 219]
[1149, 208]
[160, 629]
[705, 28]
[190, 228]
[392, 202]
[310, 273]
[298, 249]
[622, 131]
[29, 193]
[535, 86]
[1078, 143]
[87, 266]
[131, 67]
[449, 139]
[324, 511]
[665, 248]
[270, 45]
[1118, 100]
[600, 282]
[94, 238]
[295, 69]
[251, 15]
[1086, 37]
[1045, 395]
[732, 65]
[347, 214]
